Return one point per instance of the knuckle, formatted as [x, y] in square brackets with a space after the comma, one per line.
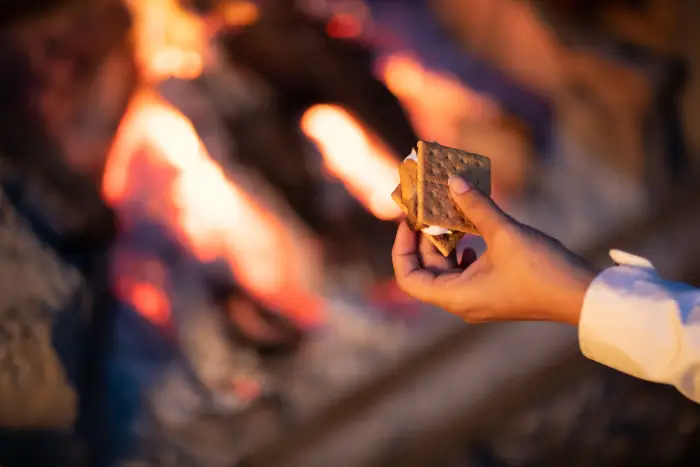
[401, 282]
[403, 286]
[407, 285]
[474, 317]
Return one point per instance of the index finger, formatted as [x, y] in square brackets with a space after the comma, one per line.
[411, 278]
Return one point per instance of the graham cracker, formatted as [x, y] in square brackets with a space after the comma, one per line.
[396, 196]
[408, 175]
[436, 164]
[446, 244]
[406, 196]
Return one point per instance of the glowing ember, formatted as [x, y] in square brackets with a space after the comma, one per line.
[344, 26]
[142, 281]
[213, 216]
[350, 154]
[148, 299]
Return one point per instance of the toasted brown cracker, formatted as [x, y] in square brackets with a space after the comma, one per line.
[408, 173]
[406, 196]
[436, 164]
[396, 196]
[446, 244]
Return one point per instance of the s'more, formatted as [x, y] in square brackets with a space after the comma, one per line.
[423, 194]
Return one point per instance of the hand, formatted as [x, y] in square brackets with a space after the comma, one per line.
[522, 275]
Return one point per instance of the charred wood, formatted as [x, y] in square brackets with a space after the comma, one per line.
[294, 54]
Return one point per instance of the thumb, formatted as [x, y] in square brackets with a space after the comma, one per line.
[478, 208]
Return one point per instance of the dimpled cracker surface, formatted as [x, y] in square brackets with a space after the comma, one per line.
[444, 243]
[436, 164]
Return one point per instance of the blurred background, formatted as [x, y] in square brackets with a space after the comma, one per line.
[248, 149]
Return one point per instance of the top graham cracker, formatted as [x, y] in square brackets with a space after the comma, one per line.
[436, 164]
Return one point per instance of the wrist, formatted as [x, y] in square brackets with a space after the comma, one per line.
[573, 293]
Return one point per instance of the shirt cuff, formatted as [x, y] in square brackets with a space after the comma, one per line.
[609, 327]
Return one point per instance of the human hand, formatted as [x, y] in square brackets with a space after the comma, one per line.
[523, 274]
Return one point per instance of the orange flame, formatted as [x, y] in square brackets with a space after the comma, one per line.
[170, 40]
[212, 215]
[239, 13]
[365, 167]
[190, 194]
[174, 42]
[436, 102]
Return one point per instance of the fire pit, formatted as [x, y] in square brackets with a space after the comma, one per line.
[232, 323]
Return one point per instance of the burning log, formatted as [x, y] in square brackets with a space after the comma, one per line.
[292, 56]
[202, 256]
[294, 52]
[190, 262]
[264, 140]
[276, 260]
[212, 265]
[261, 121]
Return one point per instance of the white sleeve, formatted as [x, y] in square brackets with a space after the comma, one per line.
[636, 322]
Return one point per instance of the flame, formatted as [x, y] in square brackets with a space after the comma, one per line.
[365, 167]
[437, 102]
[238, 13]
[174, 42]
[170, 41]
[213, 216]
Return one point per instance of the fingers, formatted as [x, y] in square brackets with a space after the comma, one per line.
[410, 277]
[431, 258]
[406, 241]
[454, 289]
[404, 254]
[481, 211]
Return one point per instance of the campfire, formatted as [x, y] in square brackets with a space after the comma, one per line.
[159, 163]
[208, 242]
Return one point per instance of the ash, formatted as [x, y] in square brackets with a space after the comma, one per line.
[176, 422]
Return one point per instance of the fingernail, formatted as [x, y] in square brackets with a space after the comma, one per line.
[458, 185]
